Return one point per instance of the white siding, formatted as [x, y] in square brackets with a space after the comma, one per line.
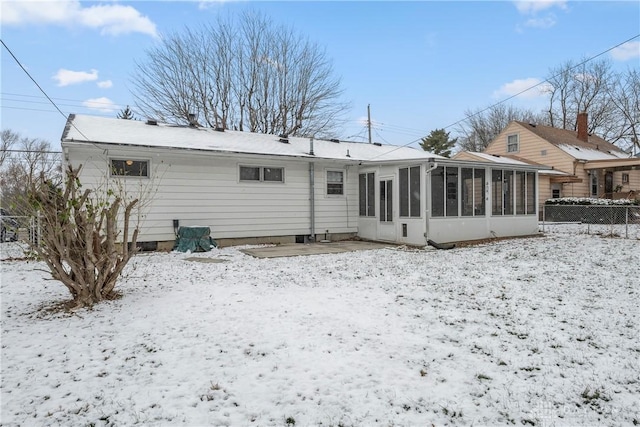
[200, 189]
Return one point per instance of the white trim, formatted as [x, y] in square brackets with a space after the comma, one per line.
[517, 143]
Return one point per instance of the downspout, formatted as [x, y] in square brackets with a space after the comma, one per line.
[312, 203]
[312, 195]
[432, 166]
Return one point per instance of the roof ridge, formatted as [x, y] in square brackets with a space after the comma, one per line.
[559, 136]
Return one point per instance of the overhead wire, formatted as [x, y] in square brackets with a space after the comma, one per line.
[513, 96]
[40, 87]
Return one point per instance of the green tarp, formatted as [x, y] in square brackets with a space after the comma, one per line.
[194, 239]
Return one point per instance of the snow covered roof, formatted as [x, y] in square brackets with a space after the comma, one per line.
[92, 129]
[591, 154]
[594, 148]
[494, 158]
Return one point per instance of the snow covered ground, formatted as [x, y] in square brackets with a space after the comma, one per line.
[541, 331]
[628, 231]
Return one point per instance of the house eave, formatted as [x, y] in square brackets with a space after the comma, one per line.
[613, 165]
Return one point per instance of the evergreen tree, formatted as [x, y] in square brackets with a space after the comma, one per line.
[126, 114]
[438, 142]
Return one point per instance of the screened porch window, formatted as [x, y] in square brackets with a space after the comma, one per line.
[472, 187]
[410, 191]
[444, 191]
[513, 192]
[367, 194]
[437, 191]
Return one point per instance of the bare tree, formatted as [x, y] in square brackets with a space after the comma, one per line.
[79, 237]
[625, 96]
[24, 160]
[483, 125]
[244, 74]
[8, 139]
[609, 98]
[590, 86]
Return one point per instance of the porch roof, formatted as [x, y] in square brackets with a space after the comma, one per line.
[631, 163]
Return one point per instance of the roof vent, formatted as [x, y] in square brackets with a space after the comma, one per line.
[284, 138]
[219, 129]
[152, 122]
[378, 144]
[334, 140]
[193, 122]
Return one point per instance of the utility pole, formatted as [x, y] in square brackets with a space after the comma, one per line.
[369, 121]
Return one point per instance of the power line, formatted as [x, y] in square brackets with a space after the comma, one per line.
[542, 82]
[513, 96]
[39, 87]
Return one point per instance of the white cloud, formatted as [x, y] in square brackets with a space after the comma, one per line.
[102, 104]
[535, 6]
[113, 19]
[519, 85]
[627, 51]
[68, 77]
[207, 4]
[105, 84]
[544, 22]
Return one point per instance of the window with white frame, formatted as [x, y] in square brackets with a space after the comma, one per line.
[472, 189]
[444, 191]
[335, 183]
[513, 192]
[513, 143]
[410, 192]
[367, 194]
[625, 178]
[261, 174]
[130, 168]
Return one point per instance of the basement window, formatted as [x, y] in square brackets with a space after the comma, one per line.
[130, 168]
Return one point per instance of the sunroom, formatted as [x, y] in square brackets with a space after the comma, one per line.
[446, 200]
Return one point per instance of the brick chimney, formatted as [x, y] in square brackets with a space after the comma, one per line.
[583, 135]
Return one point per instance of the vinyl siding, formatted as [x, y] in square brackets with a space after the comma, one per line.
[632, 185]
[531, 148]
[205, 190]
[535, 149]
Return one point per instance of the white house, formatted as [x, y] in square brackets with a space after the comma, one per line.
[251, 187]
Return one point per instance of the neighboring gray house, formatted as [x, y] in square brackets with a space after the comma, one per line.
[256, 188]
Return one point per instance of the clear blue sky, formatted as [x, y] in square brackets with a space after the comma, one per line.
[419, 65]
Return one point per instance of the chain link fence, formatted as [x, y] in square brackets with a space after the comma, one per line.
[609, 220]
[20, 228]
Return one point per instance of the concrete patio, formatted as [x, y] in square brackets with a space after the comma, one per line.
[300, 249]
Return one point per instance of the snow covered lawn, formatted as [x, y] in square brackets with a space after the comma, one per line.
[541, 331]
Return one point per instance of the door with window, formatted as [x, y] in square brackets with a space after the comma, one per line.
[608, 183]
[386, 224]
